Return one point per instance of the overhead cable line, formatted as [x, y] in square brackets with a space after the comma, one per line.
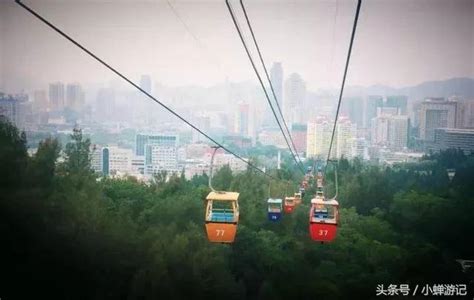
[268, 78]
[329, 66]
[34, 13]
[261, 82]
[210, 56]
[359, 2]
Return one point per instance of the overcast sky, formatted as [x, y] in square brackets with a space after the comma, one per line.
[398, 43]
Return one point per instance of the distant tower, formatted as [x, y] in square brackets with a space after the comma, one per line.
[398, 127]
[372, 103]
[276, 77]
[399, 102]
[318, 138]
[242, 119]
[74, 96]
[345, 131]
[145, 84]
[56, 95]
[436, 113]
[295, 94]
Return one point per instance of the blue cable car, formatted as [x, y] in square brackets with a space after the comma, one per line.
[274, 209]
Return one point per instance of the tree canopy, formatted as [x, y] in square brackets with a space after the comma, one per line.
[67, 235]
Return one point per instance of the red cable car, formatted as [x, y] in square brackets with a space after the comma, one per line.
[289, 205]
[323, 219]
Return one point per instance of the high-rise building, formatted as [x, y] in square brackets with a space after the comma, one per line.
[371, 104]
[242, 119]
[74, 96]
[56, 95]
[398, 127]
[390, 129]
[112, 160]
[161, 158]
[9, 108]
[318, 138]
[138, 165]
[154, 139]
[145, 108]
[379, 130]
[446, 138]
[159, 152]
[276, 77]
[345, 131]
[12, 108]
[358, 148]
[399, 102]
[96, 158]
[436, 113]
[353, 107]
[293, 103]
[387, 111]
[465, 113]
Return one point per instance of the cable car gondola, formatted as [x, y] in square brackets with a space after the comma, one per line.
[274, 209]
[222, 213]
[324, 214]
[297, 197]
[323, 219]
[222, 216]
[289, 205]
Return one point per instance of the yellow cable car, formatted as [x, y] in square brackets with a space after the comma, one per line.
[222, 212]
[222, 216]
[297, 197]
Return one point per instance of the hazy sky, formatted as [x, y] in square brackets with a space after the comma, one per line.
[398, 43]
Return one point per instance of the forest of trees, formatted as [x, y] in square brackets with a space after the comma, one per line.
[66, 233]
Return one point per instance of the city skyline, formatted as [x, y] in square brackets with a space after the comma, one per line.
[373, 123]
[434, 38]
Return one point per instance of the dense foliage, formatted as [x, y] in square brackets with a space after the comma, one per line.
[66, 233]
